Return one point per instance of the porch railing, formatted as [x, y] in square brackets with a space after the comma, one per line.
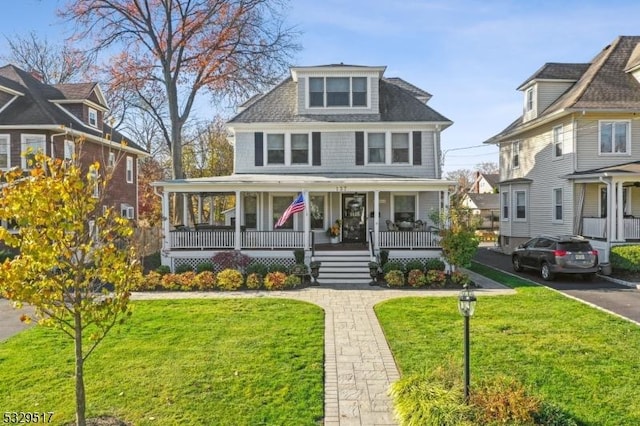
[225, 239]
[596, 227]
[410, 240]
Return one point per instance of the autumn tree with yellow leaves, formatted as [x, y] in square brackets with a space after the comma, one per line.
[75, 264]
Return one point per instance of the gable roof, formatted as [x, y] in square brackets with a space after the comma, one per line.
[557, 71]
[491, 178]
[37, 104]
[484, 201]
[605, 85]
[398, 101]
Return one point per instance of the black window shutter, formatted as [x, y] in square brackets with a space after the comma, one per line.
[316, 148]
[417, 148]
[359, 148]
[259, 149]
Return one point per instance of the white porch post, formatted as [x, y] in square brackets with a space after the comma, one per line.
[165, 220]
[237, 244]
[620, 211]
[376, 220]
[611, 226]
[306, 222]
[185, 210]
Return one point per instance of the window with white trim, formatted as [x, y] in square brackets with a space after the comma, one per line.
[520, 198]
[69, 149]
[558, 205]
[400, 148]
[615, 137]
[31, 145]
[127, 211]
[317, 210]
[528, 99]
[505, 206]
[275, 148]
[626, 201]
[93, 117]
[404, 208]
[95, 181]
[111, 162]
[129, 169]
[250, 211]
[376, 148]
[338, 92]
[558, 142]
[5, 152]
[299, 148]
[515, 154]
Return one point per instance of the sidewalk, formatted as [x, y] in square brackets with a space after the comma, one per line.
[359, 366]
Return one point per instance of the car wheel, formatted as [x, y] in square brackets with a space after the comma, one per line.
[589, 277]
[545, 272]
[517, 265]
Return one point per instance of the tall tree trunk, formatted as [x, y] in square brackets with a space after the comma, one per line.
[177, 169]
[80, 395]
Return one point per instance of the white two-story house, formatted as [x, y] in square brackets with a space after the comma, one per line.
[571, 163]
[360, 148]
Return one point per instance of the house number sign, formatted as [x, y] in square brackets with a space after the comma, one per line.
[341, 188]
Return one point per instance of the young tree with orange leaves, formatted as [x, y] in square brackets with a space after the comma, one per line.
[174, 50]
[75, 264]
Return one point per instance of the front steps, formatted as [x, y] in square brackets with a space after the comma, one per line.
[344, 267]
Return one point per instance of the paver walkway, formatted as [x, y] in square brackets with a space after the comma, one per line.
[359, 366]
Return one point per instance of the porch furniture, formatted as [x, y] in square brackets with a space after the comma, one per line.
[405, 225]
[180, 227]
[418, 225]
[391, 226]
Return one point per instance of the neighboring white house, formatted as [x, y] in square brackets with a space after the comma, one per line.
[485, 183]
[361, 148]
[571, 163]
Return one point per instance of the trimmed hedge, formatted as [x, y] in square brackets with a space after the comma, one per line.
[625, 258]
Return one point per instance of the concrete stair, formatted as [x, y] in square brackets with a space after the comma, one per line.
[344, 267]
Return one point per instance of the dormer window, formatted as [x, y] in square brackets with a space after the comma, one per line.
[528, 99]
[337, 91]
[93, 117]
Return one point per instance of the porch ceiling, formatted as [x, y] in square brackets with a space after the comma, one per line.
[287, 183]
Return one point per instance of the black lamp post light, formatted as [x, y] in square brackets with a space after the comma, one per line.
[466, 306]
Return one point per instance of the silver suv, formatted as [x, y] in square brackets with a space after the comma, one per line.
[561, 254]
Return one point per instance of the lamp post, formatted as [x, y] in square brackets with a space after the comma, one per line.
[466, 306]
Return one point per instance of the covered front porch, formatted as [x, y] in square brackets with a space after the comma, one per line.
[377, 212]
[607, 205]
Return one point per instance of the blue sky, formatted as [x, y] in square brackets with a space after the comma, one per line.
[469, 54]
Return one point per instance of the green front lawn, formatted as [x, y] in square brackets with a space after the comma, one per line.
[222, 362]
[584, 360]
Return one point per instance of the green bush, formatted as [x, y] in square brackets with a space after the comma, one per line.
[434, 264]
[163, 270]
[552, 415]
[278, 268]
[394, 278]
[414, 264]
[292, 281]
[298, 254]
[229, 279]
[6, 254]
[625, 258]
[183, 268]
[257, 268]
[384, 257]
[205, 266]
[420, 401]
[416, 278]
[392, 266]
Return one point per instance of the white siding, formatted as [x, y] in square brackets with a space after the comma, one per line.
[588, 139]
[373, 89]
[548, 92]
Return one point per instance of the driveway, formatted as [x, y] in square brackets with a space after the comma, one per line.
[10, 322]
[616, 298]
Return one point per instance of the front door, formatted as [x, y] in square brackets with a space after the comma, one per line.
[354, 217]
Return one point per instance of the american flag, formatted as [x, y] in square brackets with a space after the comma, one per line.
[295, 207]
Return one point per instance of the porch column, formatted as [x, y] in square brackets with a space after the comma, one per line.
[620, 211]
[185, 210]
[237, 242]
[166, 243]
[306, 222]
[376, 220]
[611, 219]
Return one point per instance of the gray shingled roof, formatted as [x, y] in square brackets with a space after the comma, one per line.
[485, 201]
[603, 86]
[35, 108]
[397, 103]
[492, 178]
[558, 71]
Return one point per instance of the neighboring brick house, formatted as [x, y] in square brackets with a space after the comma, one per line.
[53, 119]
[361, 148]
[570, 164]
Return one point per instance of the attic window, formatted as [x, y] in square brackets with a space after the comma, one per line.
[528, 99]
[93, 117]
[337, 92]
